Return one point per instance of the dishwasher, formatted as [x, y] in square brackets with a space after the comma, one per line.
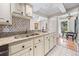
[4, 51]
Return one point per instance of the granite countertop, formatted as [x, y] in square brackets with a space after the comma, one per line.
[11, 39]
[8, 34]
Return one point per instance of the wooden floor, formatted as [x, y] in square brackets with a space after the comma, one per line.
[71, 45]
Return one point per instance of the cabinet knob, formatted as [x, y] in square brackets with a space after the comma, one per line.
[7, 21]
[39, 40]
[30, 49]
[22, 13]
[35, 46]
[22, 46]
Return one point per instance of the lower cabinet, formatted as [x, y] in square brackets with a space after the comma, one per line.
[39, 47]
[21, 48]
[47, 45]
[38, 50]
[54, 40]
[51, 41]
[26, 52]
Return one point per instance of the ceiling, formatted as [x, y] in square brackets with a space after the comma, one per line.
[52, 9]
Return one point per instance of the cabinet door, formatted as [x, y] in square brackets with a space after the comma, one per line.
[18, 8]
[25, 52]
[39, 50]
[28, 10]
[47, 41]
[29, 52]
[55, 40]
[51, 42]
[5, 12]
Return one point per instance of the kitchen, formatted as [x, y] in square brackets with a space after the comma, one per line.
[34, 29]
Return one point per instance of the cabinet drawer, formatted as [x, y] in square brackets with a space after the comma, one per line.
[28, 43]
[18, 46]
[38, 40]
[26, 52]
[47, 37]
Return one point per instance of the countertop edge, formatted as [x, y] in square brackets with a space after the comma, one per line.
[11, 39]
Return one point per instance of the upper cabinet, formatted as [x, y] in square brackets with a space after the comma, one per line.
[8, 10]
[5, 14]
[28, 9]
[21, 10]
[17, 8]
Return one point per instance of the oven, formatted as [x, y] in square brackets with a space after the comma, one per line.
[4, 51]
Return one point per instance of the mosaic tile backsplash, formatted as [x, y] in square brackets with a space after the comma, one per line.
[18, 25]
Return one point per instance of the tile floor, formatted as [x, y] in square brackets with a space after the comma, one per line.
[62, 50]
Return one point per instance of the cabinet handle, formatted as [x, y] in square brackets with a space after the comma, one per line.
[39, 40]
[35, 46]
[22, 46]
[30, 49]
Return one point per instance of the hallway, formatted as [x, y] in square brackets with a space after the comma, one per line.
[62, 50]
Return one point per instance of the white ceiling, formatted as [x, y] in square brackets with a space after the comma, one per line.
[52, 9]
[69, 6]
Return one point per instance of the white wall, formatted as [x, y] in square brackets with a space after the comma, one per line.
[43, 24]
[32, 27]
[53, 24]
[71, 25]
[40, 20]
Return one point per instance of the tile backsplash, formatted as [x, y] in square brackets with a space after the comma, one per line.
[18, 25]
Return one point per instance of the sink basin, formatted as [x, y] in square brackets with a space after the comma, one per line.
[25, 35]
[21, 36]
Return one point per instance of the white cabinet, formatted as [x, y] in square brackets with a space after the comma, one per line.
[28, 9]
[5, 14]
[21, 48]
[55, 39]
[39, 46]
[51, 41]
[18, 8]
[26, 52]
[21, 9]
[29, 51]
[38, 50]
[47, 43]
